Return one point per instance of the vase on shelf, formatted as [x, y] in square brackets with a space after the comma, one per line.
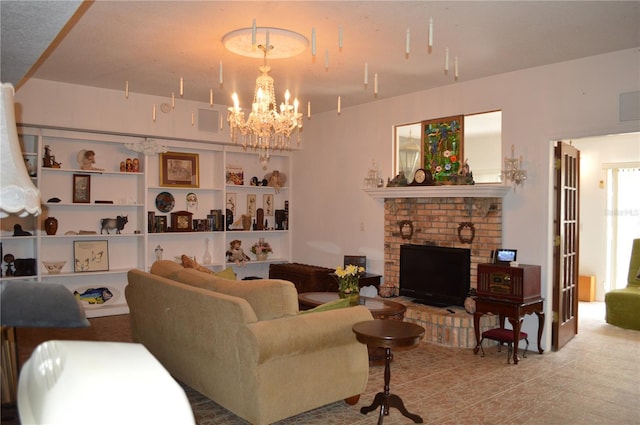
[206, 257]
[51, 225]
[262, 256]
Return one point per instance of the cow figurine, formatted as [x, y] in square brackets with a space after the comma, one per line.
[113, 223]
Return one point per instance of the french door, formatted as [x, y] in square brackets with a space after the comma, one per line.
[566, 244]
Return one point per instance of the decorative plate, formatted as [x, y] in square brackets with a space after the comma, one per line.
[91, 297]
[165, 202]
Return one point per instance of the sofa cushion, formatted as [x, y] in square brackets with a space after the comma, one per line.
[269, 298]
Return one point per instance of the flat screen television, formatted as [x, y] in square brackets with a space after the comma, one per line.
[435, 275]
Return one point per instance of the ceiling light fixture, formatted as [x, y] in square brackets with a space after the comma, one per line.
[267, 127]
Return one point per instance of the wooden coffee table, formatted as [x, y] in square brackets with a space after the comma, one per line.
[388, 334]
[380, 308]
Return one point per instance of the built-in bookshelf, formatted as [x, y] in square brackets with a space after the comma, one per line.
[98, 247]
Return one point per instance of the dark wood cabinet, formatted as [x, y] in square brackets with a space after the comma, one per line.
[501, 281]
[308, 278]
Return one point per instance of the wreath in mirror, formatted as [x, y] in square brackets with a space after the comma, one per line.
[466, 232]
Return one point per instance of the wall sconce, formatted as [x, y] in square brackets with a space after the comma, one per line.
[512, 171]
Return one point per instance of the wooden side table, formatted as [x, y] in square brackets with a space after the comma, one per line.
[388, 334]
[512, 310]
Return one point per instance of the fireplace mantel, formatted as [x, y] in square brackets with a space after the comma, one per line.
[445, 191]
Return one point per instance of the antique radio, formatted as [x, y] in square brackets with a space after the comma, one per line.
[520, 284]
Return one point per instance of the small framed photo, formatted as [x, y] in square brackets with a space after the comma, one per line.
[231, 202]
[179, 169]
[90, 256]
[251, 205]
[503, 255]
[81, 188]
[267, 204]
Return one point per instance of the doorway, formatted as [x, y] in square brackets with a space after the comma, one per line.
[598, 154]
[623, 220]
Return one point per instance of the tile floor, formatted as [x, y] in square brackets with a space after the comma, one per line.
[595, 379]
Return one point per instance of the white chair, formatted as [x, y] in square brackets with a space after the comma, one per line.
[86, 383]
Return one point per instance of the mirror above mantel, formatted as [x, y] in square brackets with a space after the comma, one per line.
[482, 143]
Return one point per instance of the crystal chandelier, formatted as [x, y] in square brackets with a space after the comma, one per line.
[267, 126]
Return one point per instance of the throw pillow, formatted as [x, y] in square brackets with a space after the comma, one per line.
[227, 273]
[331, 305]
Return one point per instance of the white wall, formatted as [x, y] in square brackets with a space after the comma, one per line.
[570, 99]
[47, 103]
[331, 215]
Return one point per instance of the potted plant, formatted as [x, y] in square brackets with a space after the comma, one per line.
[261, 249]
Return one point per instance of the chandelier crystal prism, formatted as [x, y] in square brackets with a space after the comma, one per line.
[267, 127]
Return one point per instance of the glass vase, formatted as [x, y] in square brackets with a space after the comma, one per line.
[206, 258]
[354, 297]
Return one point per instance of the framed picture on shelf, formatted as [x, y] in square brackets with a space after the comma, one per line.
[231, 202]
[81, 188]
[251, 205]
[267, 204]
[90, 256]
[235, 175]
[179, 169]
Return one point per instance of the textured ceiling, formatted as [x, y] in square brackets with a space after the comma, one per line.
[152, 44]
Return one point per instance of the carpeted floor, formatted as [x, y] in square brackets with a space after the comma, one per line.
[592, 380]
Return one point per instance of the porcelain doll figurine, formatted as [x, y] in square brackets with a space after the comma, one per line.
[86, 159]
[235, 253]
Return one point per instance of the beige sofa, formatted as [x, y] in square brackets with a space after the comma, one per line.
[244, 344]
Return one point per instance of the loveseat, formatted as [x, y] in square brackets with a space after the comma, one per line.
[244, 344]
[623, 305]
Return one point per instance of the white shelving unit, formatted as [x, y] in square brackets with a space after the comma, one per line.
[134, 196]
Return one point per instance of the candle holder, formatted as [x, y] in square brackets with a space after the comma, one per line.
[512, 171]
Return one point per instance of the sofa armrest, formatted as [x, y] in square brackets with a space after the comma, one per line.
[302, 333]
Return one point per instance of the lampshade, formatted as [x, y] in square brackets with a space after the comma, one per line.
[18, 195]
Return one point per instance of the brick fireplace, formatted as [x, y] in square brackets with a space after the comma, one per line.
[449, 217]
